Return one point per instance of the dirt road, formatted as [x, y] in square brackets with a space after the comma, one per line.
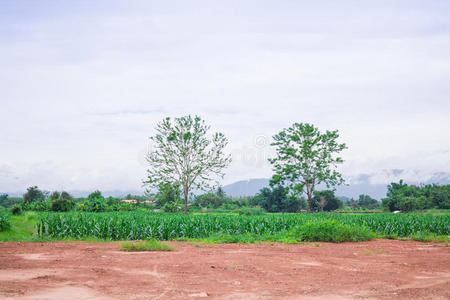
[381, 269]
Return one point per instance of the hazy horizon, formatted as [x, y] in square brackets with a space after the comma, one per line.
[84, 83]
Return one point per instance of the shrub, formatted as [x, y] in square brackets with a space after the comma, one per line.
[61, 204]
[16, 209]
[332, 231]
[5, 224]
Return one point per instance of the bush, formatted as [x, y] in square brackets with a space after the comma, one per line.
[331, 231]
[5, 224]
[16, 209]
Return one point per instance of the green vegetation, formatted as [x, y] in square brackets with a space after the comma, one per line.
[185, 155]
[5, 222]
[404, 197]
[7, 202]
[142, 225]
[332, 231]
[305, 158]
[151, 245]
[22, 229]
[16, 209]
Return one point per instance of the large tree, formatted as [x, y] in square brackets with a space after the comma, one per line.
[185, 154]
[306, 157]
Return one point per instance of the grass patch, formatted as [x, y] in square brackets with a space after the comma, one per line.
[146, 246]
[428, 237]
[22, 229]
[331, 231]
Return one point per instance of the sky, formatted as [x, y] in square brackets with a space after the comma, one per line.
[83, 84]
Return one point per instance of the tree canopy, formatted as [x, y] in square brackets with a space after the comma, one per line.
[186, 155]
[306, 157]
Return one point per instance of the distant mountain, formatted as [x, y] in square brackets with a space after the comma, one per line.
[246, 187]
[252, 186]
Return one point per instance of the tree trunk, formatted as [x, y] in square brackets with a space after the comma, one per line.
[309, 194]
[185, 189]
[309, 201]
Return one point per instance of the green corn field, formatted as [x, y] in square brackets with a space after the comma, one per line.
[161, 226]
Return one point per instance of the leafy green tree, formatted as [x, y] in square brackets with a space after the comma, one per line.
[209, 200]
[368, 202]
[329, 200]
[65, 195]
[33, 194]
[55, 195]
[61, 201]
[306, 158]
[277, 199]
[94, 203]
[404, 197]
[185, 155]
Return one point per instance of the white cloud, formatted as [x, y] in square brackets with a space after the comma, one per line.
[81, 89]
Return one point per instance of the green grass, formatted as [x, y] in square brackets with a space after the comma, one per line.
[428, 237]
[23, 229]
[146, 246]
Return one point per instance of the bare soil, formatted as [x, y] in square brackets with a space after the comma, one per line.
[380, 269]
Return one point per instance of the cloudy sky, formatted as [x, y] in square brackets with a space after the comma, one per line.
[82, 84]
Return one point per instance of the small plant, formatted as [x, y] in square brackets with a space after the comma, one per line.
[146, 246]
[16, 209]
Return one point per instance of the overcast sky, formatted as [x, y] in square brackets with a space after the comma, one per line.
[82, 84]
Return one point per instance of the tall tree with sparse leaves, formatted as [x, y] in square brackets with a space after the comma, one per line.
[306, 158]
[185, 154]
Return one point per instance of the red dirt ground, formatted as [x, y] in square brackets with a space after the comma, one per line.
[380, 269]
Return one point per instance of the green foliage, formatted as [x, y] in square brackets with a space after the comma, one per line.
[332, 231]
[94, 203]
[306, 158]
[143, 225]
[16, 209]
[172, 207]
[210, 200]
[8, 202]
[61, 201]
[327, 198]
[151, 245]
[277, 199]
[185, 155]
[404, 197]
[250, 211]
[365, 201]
[168, 193]
[5, 223]
[38, 206]
[32, 195]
